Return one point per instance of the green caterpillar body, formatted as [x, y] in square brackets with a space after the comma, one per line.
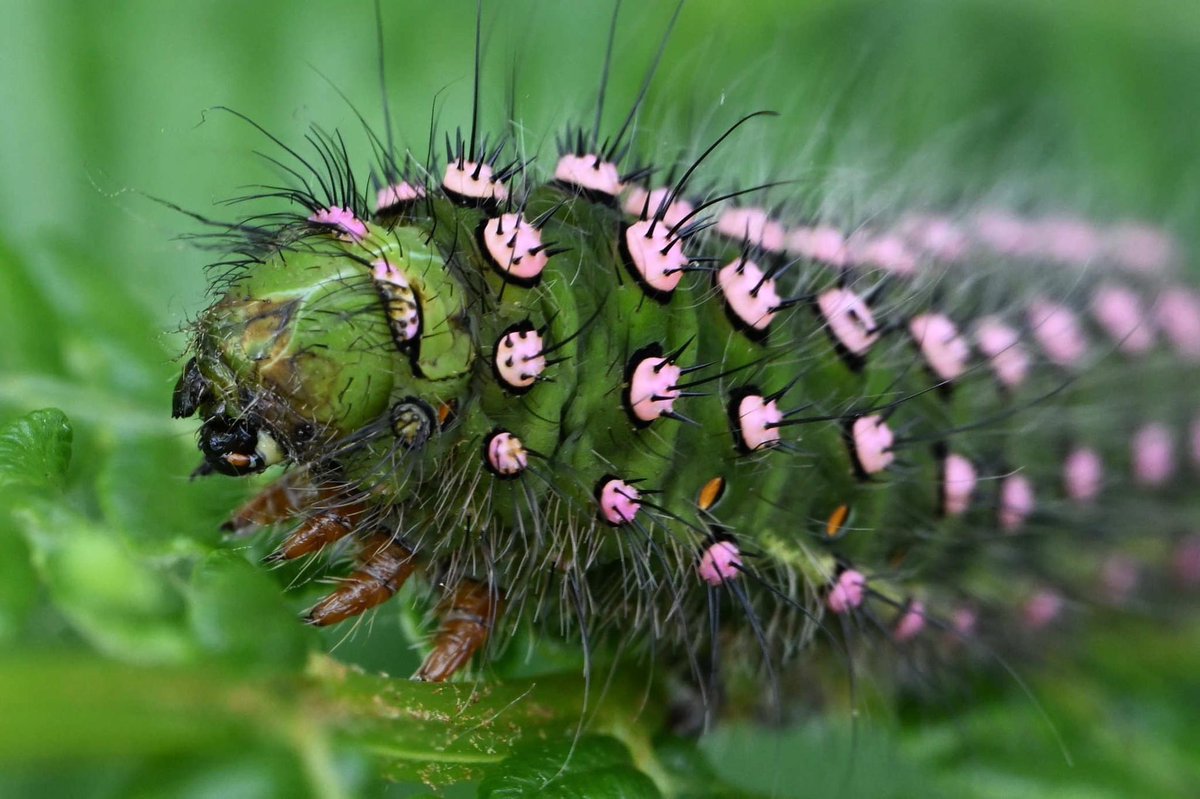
[574, 407]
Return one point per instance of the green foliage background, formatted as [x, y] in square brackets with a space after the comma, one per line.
[142, 656]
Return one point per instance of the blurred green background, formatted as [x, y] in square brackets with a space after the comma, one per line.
[117, 596]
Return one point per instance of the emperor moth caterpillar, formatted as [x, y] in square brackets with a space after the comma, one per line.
[610, 401]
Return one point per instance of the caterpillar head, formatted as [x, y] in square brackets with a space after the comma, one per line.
[297, 354]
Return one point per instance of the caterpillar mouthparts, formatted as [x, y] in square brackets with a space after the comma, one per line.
[611, 406]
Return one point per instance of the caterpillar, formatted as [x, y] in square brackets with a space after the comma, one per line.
[728, 429]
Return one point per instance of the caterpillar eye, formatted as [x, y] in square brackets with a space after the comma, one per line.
[238, 447]
[191, 391]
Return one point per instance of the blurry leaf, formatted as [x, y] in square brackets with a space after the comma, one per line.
[85, 780]
[18, 586]
[198, 731]
[27, 320]
[61, 707]
[690, 773]
[146, 494]
[35, 450]
[260, 773]
[122, 605]
[593, 767]
[109, 410]
[1108, 727]
[108, 338]
[819, 757]
[237, 613]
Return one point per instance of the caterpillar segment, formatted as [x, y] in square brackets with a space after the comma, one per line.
[466, 618]
[384, 566]
[279, 502]
[318, 531]
[674, 420]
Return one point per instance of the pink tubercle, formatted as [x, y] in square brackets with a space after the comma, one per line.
[964, 620]
[652, 391]
[749, 293]
[474, 181]
[506, 454]
[1153, 455]
[1058, 332]
[397, 194]
[1194, 441]
[619, 501]
[1042, 609]
[342, 220]
[721, 562]
[872, 439]
[1006, 233]
[1185, 561]
[1069, 240]
[1017, 501]
[387, 272]
[1083, 475]
[753, 225]
[939, 236]
[958, 484]
[946, 352]
[1119, 577]
[1177, 313]
[886, 251]
[822, 243]
[1118, 310]
[401, 298]
[848, 592]
[1141, 248]
[849, 319]
[515, 246]
[911, 622]
[1001, 345]
[520, 358]
[758, 419]
[590, 172]
[644, 205]
[655, 254]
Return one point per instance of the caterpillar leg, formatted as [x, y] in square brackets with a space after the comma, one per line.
[384, 566]
[320, 530]
[280, 501]
[467, 618]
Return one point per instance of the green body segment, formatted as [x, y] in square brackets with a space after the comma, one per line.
[577, 422]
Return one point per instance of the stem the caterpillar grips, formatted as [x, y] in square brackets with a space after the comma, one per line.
[468, 386]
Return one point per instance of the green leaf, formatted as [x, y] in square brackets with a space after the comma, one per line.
[438, 734]
[27, 320]
[690, 775]
[35, 451]
[18, 586]
[203, 730]
[823, 756]
[84, 707]
[237, 613]
[1105, 727]
[122, 605]
[145, 494]
[594, 767]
